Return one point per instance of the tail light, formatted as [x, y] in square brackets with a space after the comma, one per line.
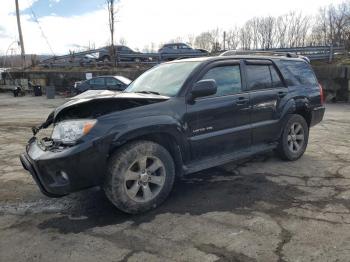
[321, 94]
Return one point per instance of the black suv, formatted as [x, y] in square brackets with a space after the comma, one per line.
[175, 119]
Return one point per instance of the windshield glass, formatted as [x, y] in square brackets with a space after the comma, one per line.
[165, 79]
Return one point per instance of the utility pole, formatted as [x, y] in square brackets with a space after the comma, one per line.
[224, 40]
[20, 34]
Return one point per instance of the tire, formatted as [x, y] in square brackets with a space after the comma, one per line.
[136, 170]
[293, 141]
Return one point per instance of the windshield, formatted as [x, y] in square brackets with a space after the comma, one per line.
[165, 79]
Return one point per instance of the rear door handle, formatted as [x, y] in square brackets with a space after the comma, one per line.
[282, 94]
[242, 100]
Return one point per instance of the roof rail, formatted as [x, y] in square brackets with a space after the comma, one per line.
[263, 53]
[252, 52]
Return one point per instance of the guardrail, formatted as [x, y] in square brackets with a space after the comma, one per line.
[313, 52]
[75, 60]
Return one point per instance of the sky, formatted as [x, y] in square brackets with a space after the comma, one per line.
[69, 24]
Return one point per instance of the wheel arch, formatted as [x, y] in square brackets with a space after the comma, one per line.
[171, 141]
[300, 106]
[306, 114]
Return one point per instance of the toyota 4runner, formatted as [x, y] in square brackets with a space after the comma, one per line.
[175, 119]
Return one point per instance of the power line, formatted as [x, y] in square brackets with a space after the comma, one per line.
[42, 31]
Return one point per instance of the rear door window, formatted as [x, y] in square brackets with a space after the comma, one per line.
[259, 77]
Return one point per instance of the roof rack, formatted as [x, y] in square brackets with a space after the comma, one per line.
[258, 52]
[263, 53]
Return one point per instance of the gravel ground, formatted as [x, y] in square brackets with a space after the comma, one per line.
[261, 209]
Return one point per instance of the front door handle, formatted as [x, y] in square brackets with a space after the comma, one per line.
[242, 100]
[281, 94]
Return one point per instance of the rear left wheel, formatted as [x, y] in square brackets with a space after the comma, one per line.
[294, 138]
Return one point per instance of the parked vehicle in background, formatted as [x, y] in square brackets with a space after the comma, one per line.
[122, 50]
[116, 83]
[88, 59]
[179, 50]
[175, 119]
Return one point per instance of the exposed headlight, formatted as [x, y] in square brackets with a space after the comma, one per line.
[70, 131]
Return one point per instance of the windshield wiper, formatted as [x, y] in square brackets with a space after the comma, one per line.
[148, 92]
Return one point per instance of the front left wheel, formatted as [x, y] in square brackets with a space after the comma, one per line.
[140, 176]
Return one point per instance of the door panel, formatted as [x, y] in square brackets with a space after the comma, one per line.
[265, 118]
[220, 124]
[266, 92]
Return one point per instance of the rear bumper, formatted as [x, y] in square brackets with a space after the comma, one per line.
[317, 115]
[62, 172]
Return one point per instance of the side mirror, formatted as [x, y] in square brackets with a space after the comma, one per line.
[206, 87]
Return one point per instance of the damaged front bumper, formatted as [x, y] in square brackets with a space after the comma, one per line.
[63, 171]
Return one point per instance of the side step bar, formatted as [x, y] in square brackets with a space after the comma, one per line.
[226, 158]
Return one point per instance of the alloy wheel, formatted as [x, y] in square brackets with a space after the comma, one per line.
[296, 137]
[145, 178]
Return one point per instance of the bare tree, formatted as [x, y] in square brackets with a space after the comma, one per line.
[266, 32]
[217, 40]
[245, 36]
[204, 41]
[232, 38]
[292, 29]
[281, 31]
[341, 22]
[330, 26]
[333, 25]
[254, 28]
[112, 12]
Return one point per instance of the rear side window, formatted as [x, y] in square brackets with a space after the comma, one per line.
[299, 73]
[227, 78]
[263, 77]
[259, 77]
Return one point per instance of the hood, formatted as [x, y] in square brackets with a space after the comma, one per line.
[94, 103]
